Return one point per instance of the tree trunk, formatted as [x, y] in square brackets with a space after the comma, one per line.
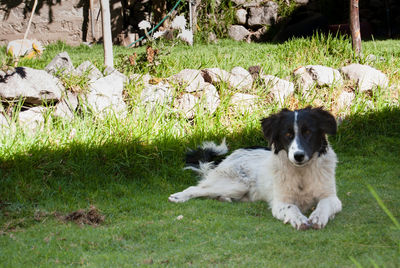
[107, 37]
[355, 26]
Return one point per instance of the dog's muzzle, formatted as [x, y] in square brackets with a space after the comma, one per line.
[299, 158]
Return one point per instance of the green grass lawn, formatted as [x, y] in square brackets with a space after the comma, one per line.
[127, 169]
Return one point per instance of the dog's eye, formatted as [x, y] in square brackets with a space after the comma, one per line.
[307, 132]
[289, 135]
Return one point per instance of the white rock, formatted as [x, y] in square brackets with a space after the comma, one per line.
[4, 124]
[279, 88]
[302, 2]
[23, 47]
[32, 119]
[88, 68]
[345, 100]
[325, 76]
[35, 86]
[241, 15]
[371, 58]
[211, 98]
[238, 32]
[240, 78]
[366, 77]
[105, 96]
[191, 79]
[67, 106]
[240, 71]
[215, 75]
[61, 63]
[153, 95]
[110, 70]
[263, 15]
[304, 79]
[243, 102]
[187, 105]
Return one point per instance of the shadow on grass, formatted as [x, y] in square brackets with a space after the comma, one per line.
[381, 129]
[84, 174]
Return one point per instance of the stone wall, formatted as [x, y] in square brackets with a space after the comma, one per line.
[69, 20]
[66, 20]
[254, 18]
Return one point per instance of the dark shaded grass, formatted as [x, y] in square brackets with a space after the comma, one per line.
[130, 182]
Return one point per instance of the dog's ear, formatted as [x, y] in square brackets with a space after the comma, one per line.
[270, 128]
[326, 120]
[267, 127]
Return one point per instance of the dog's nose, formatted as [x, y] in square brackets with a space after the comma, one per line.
[299, 156]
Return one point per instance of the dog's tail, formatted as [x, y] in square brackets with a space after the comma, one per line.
[206, 156]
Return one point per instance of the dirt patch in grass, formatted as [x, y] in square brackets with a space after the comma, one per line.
[12, 226]
[92, 216]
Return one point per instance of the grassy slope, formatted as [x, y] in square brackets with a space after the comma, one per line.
[128, 168]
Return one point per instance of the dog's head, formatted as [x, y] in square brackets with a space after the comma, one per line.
[301, 133]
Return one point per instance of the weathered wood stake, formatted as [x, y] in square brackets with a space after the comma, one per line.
[107, 37]
[355, 27]
[92, 20]
[30, 19]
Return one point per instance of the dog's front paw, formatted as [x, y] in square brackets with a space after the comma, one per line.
[289, 213]
[178, 197]
[318, 220]
[300, 222]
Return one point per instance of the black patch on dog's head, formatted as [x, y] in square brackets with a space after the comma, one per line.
[326, 120]
[272, 125]
[313, 123]
[326, 124]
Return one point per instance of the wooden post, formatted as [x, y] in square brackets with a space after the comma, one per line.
[30, 19]
[190, 16]
[107, 38]
[92, 20]
[355, 26]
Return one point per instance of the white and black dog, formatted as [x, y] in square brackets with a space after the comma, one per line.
[294, 176]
